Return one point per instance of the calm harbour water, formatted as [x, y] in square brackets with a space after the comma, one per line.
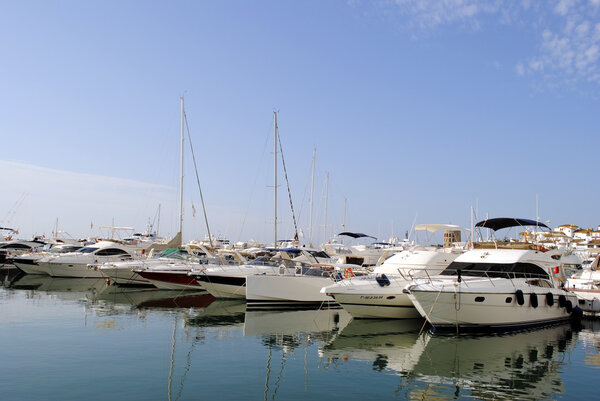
[79, 339]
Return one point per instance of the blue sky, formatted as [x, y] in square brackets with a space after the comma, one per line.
[418, 110]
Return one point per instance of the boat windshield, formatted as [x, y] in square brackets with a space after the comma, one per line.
[319, 254]
[87, 249]
[64, 249]
[502, 270]
[263, 261]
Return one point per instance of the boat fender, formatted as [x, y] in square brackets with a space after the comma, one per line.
[569, 306]
[534, 300]
[562, 300]
[577, 313]
[459, 273]
[549, 299]
[382, 280]
[520, 297]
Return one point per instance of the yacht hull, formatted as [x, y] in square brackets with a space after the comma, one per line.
[471, 310]
[280, 291]
[76, 270]
[365, 298]
[123, 276]
[224, 286]
[30, 267]
[171, 280]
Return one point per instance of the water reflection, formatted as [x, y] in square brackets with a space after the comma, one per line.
[327, 343]
[219, 313]
[292, 327]
[389, 344]
[519, 365]
[590, 337]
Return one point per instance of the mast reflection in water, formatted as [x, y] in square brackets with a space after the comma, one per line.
[71, 338]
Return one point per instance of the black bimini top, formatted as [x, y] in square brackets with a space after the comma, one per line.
[505, 222]
[356, 235]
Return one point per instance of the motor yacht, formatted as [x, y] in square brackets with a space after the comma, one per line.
[179, 275]
[379, 295]
[12, 248]
[129, 272]
[496, 286]
[28, 263]
[586, 285]
[229, 281]
[298, 286]
[359, 254]
[85, 262]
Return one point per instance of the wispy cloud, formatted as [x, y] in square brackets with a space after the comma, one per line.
[34, 197]
[570, 49]
[567, 31]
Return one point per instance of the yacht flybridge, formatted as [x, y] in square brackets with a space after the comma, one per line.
[496, 286]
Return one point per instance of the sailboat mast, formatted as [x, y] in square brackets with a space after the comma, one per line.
[345, 206]
[181, 184]
[275, 177]
[312, 191]
[326, 202]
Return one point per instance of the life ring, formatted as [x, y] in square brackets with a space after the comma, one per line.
[348, 272]
[541, 248]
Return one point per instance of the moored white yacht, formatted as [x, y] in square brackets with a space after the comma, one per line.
[296, 286]
[84, 262]
[28, 263]
[496, 288]
[379, 295]
[12, 248]
[586, 285]
[178, 275]
[229, 281]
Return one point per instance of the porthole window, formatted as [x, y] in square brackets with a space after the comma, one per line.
[508, 300]
[479, 299]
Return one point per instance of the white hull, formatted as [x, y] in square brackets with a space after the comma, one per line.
[76, 270]
[219, 290]
[369, 306]
[29, 268]
[123, 276]
[230, 281]
[364, 298]
[286, 290]
[166, 285]
[455, 307]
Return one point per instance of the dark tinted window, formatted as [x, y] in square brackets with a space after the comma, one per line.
[17, 246]
[504, 270]
[111, 252]
[87, 249]
[320, 254]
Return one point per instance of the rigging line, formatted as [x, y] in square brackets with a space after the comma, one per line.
[296, 238]
[187, 369]
[170, 382]
[198, 179]
[253, 187]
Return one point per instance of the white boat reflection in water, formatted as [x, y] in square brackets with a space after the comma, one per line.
[315, 323]
[61, 287]
[526, 364]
